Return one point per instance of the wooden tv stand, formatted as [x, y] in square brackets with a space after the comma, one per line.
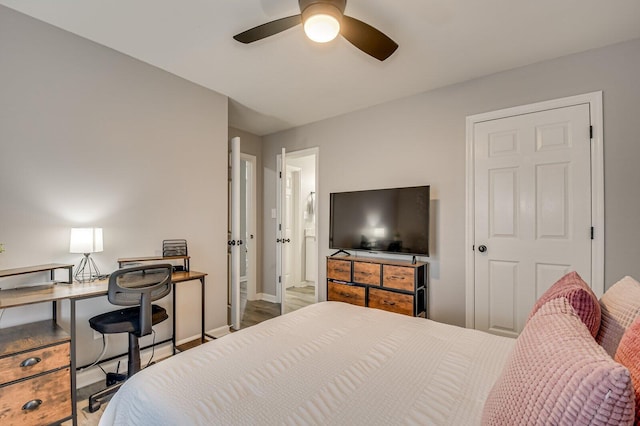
[391, 285]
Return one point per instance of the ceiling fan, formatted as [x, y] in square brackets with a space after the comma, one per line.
[323, 20]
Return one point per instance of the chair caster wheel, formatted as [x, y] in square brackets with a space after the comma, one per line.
[94, 405]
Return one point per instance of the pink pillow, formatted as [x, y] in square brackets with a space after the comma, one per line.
[557, 374]
[580, 296]
[620, 307]
[628, 354]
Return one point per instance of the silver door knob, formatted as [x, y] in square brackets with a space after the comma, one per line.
[482, 248]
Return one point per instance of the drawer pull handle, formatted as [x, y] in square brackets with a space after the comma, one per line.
[30, 362]
[32, 405]
[387, 302]
[345, 294]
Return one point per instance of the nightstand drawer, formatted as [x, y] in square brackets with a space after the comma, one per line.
[366, 273]
[390, 301]
[34, 362]
[398, 277]
[346, 293]
[41, 400]
[339, 270]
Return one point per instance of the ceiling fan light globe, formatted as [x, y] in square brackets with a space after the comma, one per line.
[321, 28]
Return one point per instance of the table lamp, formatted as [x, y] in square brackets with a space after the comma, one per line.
[86, 241]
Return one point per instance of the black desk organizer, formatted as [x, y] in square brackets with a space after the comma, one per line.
[174, 248]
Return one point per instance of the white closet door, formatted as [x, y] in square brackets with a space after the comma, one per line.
[532, 211]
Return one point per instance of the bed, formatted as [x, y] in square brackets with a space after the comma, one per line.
[328, 363]
[576, 361]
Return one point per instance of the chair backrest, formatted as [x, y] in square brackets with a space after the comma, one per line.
[140, 285]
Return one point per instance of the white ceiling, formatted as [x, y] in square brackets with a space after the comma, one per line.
[286, 80]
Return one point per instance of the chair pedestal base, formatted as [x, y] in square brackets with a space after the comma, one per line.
[96, 400]
[115, 380]
[133, 364]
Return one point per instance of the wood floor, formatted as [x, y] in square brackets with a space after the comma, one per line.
[299, 297]
[256, 311]
[85, 418]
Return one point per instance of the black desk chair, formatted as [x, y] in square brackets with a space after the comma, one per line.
[139, 285]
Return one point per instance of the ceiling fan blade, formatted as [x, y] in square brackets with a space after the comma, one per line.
[268, 29]
[368, 39]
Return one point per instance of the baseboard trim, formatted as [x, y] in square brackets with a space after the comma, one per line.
[187, 339]
[219, 332]
[267, 297]
[89, 376]
[216, 332]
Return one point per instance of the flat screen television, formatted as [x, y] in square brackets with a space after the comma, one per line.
[382, 220]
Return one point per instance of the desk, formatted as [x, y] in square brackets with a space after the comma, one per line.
[79, 291]
[123, 261]
[50, 267]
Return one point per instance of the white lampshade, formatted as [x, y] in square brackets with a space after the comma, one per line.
[85, 240]
[321, 27]
[379, 232]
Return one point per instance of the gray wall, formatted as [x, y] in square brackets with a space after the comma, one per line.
[92, 137]
[421, 140]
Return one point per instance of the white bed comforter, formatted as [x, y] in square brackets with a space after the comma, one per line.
[329, 363]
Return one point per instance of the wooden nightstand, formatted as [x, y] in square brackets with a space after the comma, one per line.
[35, 378]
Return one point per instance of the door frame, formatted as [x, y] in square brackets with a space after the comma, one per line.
[594, 100]
[295, 246]
[315, 151]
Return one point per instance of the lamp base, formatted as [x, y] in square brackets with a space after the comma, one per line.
[87, 270]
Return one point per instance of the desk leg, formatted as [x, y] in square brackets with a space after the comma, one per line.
[204, 334]
[74, 392]
[173, 320]
[202, 340]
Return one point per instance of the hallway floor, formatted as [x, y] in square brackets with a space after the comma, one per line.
[256, 311]
[299, 297]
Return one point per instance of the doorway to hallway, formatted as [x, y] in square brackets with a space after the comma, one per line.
[297, 269]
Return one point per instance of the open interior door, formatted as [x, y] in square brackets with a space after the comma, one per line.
[281, 220]
[235, 242]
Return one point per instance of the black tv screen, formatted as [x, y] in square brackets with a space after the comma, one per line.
[382, 220]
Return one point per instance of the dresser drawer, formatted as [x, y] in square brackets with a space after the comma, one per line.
[346, 293]
[34, 362]
[50, 396]
[339, 270]
[390, 301]
[398, 277]
[392, 285]
[366, 273]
